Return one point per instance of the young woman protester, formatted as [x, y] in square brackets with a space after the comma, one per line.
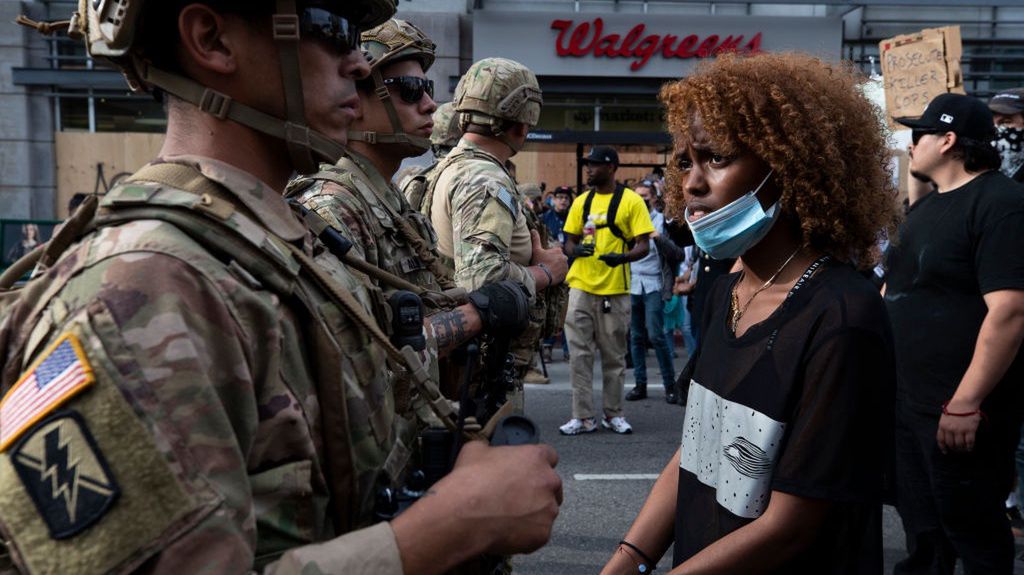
[779, 161]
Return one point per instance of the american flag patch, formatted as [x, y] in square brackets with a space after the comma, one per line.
[60, 374]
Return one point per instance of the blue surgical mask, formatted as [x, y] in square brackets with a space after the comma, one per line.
[730, 231]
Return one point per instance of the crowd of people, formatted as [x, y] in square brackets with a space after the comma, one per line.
[270, 349]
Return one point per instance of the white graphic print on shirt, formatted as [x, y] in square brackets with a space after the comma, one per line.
[730, 448]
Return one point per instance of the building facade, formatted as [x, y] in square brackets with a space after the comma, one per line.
[69, 125]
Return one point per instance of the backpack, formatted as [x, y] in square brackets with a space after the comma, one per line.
[613, 210]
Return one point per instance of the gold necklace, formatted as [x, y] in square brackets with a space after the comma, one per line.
[735, 311]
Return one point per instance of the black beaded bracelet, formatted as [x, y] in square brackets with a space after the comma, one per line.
[647, 567]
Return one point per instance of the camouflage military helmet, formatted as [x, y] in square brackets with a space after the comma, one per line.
[397, 40]
[394, 41]
[498, 89]
[446, 132]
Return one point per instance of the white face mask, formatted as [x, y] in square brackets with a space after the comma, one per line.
[1010, 143]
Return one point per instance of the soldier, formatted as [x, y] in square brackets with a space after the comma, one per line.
[443, 138]
[446, 132]
[355, 197]
[480, 217]
[194, 383]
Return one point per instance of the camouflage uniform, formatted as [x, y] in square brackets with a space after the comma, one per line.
[443, 138]
[480, 219]
[477, 211]
[353, 197]
[193, 385]
[206, 405]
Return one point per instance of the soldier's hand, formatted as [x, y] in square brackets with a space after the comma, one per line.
[497, 500]
[552, 258]
[583, 250]
[510, 495]
[503, 306]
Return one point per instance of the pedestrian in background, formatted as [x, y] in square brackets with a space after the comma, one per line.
[554, 219]
[650, 286]
[1007, 109]
[955, 293]
[607, 228]
[1008, 115]
[780, 468]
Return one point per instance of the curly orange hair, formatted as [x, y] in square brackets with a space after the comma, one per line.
[809, 122]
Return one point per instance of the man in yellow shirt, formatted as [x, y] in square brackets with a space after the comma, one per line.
[607, 227]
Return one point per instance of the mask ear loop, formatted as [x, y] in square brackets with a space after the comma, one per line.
[757, 190]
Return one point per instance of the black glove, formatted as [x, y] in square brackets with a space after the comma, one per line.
[583, 250]
[503, 306]
[613, 259]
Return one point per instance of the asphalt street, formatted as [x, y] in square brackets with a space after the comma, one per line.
[607, 476]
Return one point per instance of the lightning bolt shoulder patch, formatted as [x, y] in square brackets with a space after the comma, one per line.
[65, 474]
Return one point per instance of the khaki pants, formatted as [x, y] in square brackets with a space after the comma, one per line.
[588, 328]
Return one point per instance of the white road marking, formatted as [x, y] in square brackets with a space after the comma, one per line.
[613, 476]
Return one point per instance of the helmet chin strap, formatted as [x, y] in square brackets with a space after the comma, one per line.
[223, 107]
[305, 146]
[398, 136]
[297, 133]
[469, 118]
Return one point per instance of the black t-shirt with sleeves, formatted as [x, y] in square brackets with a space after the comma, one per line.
[802, 403]
[953, 248]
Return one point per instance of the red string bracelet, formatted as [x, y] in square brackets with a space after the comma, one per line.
[962, 413]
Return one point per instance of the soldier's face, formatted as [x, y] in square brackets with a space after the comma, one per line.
[416, 117]
[329, 87]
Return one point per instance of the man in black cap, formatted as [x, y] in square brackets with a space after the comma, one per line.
[1008, 115]
[607, 227]
[955, 295]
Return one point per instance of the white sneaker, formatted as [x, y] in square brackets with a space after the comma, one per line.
[617, 424]
[578, 426]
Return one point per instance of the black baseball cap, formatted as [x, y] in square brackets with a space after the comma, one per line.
[602, 155]
[563, 190]
[1008, 102]
[965, 116]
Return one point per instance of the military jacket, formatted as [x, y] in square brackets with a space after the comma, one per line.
[183, 431]
[353, 197]
[480, 220]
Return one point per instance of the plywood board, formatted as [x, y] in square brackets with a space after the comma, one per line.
[88, 163]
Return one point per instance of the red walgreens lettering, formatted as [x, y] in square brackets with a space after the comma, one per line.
[588, 38]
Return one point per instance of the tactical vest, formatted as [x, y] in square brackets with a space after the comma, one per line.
[181, 196]
[414, 188]
[405, 238]
[528, 342]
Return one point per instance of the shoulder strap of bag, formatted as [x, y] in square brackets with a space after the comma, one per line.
[613, 210]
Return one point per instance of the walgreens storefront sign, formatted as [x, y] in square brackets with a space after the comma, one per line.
[589, 39]
[649, 45]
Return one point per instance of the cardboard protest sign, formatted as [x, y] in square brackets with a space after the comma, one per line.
[917, 67]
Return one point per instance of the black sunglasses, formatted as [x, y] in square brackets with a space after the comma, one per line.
[917, 133]
[411, 88]
[337, 32]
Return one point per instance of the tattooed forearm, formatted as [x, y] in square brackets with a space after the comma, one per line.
[449, 329]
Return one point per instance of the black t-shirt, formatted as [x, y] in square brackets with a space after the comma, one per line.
[953, 248]
[802, 403]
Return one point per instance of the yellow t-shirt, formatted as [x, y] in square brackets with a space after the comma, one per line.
[591, 274]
